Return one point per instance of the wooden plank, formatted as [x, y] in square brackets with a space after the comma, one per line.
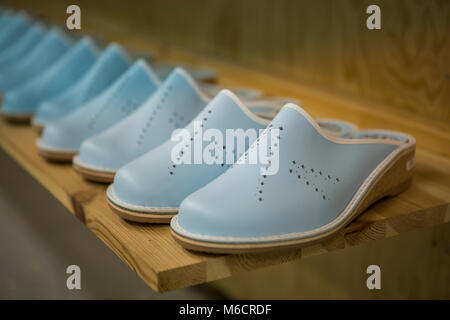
[413, 266]
[164, 265]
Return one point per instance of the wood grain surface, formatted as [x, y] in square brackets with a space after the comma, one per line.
[413, 266]
[323, 43]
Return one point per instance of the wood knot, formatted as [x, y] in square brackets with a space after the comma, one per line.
[78, 200]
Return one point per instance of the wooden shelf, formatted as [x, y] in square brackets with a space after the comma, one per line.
[164, 265]
[150, 250]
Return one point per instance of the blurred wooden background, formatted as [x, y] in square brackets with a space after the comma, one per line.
[323, 43]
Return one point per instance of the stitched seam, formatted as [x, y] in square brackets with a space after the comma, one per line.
[43, 147]
[113, 198]
[76, 160]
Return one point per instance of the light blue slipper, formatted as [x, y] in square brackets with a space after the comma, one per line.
[50, 49]
[24, 101]
[322, 183]
[112, 63]
[150, 188]
[15, 28]
[5, 16]
[19, 49]
[174, 105]
[61, 140]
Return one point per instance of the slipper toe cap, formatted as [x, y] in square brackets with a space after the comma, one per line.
[138, 192]
[60, 136]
